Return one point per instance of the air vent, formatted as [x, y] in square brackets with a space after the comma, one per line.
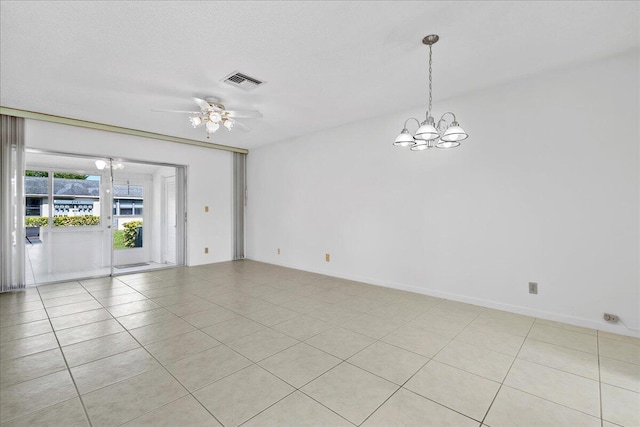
[243, 81]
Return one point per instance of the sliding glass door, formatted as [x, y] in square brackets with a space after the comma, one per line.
[89, 217]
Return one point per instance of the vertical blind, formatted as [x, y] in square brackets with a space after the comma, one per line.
[12, 232]
[239, 202]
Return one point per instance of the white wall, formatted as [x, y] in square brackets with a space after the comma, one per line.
[208, 180]
[545, 189]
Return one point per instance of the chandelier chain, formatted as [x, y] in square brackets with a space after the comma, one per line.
[430, 80]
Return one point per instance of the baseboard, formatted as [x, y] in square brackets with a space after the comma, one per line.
[572, 320]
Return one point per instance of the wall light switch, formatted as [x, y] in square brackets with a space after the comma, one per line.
[327, 257]
[278, 251]
[206, 208]
[206, 250]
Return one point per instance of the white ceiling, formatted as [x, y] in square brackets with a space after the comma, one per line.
[325, 63]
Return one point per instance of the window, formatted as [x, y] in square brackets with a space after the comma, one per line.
[137, 207]
[127, 207]
[128, 199]
[76, 199]
[34, 205]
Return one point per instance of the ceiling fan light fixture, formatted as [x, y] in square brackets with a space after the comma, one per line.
[212, 127]
[215, 117]
[195, 121]
[214, 114]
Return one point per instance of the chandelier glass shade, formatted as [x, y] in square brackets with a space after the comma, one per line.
[444, 134]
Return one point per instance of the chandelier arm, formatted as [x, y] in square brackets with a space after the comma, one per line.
[411, 118]
[447, 124]
[448, 112]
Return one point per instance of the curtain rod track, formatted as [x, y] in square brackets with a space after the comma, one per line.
[115, 129]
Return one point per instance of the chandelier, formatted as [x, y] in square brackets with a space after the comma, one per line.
[444, 134]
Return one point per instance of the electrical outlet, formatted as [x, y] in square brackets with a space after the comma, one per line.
[278, 251]
[611, 318]
[327, 257]
[206, 250]
[533, 288]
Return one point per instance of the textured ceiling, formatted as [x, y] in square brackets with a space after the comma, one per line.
[325, 63]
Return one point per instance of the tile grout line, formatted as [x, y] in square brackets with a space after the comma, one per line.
[73, 380]
[506, 375]
[161, 365]
[534, 395]
[414, 374]
[98, 276]
[561, 370]
[599, 380]
[259, 366]
[299, 389]
[221, 344]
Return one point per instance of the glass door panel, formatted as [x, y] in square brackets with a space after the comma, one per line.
[130, 248]
[144, 217]
[67, 223]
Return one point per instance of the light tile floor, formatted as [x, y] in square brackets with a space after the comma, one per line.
[246, 343]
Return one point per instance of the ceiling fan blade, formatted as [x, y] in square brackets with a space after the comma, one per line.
[241, 126]
[253, 114]
[202, 103]
[177, 111]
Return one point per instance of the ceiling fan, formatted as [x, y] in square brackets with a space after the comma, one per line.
[212, 114]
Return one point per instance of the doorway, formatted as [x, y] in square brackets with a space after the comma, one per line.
[91, 217]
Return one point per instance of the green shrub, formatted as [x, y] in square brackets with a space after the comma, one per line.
[62, 221]
[74, 221]
[130, 232]
[36, 221]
